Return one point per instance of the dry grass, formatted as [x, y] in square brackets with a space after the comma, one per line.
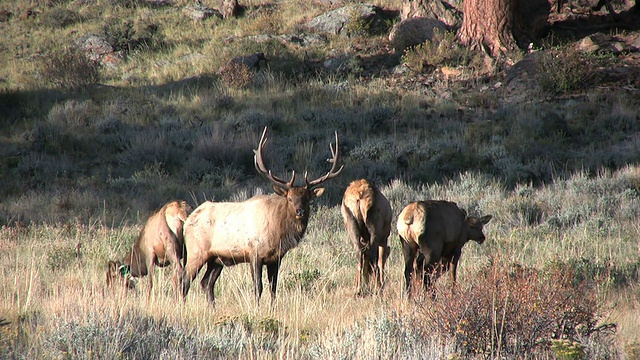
[52, 296]
[86, 166]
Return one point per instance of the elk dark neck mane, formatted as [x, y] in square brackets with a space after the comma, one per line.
[137, 265]
[291, 229]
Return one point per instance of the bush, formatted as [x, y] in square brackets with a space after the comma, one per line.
[443, 50]
[565, 69]
[69, 69]
[236, 75]
[58, 18]
[513, 310]
[128, 36]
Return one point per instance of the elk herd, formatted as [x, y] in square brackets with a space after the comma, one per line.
[261, 230]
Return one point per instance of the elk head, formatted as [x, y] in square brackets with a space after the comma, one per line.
[120, 273]
[298, 197]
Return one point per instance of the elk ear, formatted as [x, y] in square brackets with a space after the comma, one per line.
[112, 270]
[485, 219]
[113, 266]
[280, 191]
[317, 192]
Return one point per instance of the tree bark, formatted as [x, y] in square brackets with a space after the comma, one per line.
[488, 25]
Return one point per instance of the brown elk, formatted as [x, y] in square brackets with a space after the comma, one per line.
[260, 230]
[160, 243]
[367, 217]
[436, 231]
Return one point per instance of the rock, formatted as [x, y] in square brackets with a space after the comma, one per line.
[336, 21]
[302, 40]
[251, 61]
[449, 12]
[228, 8]
[414, 31]
[635, 42]
[98, 49]
[604, 43]
[521, 83]
[200, 12]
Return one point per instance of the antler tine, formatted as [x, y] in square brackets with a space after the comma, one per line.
[335, 157]
[262, 168]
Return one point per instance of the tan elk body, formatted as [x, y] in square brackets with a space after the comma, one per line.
[367, 218]
[432, 234]
[160, 243]
[259, 231]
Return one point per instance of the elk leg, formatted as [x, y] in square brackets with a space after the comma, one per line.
[409, 251]
[150, 268]
[454, 267]
[432, 255]
[364, 270]
[256, 273]
[358, 245]
[192, 267]
[383, 255]
[174, 258]
[210, 277]
[272, 275]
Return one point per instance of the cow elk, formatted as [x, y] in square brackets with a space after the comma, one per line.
[160, 243]
[367, 217]
[258, 231]
[432, 234]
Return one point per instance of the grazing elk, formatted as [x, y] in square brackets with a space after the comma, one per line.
[160, 243]
[260, 230]
[367, 217]
[436, 231]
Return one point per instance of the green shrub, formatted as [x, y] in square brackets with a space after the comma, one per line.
[304, 279]
[564, 69]
[128, 36]
[567, 350]
[443, 50]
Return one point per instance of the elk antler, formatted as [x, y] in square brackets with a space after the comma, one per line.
[262, 169]
[335, 156]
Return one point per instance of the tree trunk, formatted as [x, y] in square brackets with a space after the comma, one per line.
[488, 25]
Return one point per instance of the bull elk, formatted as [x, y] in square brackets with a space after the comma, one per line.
[436, 231]
[160, 243]
[258, 231]
[367, 217]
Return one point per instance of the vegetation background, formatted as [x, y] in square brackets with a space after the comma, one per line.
[88, 151]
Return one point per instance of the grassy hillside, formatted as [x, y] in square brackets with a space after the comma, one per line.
[88, 151]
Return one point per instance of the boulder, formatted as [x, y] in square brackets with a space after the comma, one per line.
[414, 31]
[99, 49]
[600, 42]
[251, 61]
[449, 12]
[200, 12]
[336, 21]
